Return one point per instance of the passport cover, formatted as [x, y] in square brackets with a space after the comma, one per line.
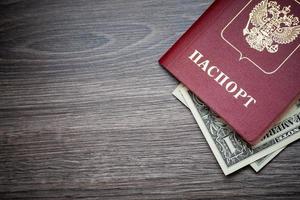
[241, 57]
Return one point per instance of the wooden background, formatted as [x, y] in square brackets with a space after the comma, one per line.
[86, 112]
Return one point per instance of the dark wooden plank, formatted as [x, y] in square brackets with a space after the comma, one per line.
[87, 112]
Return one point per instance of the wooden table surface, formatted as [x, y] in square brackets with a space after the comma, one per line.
[86, 112]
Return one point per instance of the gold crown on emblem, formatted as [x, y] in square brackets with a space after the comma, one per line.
[271, 26]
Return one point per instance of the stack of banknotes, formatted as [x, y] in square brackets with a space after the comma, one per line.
[231, 152]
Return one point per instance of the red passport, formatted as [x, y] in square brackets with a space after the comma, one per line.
[241, 57]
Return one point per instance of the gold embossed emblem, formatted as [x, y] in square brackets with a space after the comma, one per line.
[271, 26]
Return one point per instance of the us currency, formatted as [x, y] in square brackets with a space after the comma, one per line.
[261, 163]
[285, 123]
[256, 165]
[231, 152]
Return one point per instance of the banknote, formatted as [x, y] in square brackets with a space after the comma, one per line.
[231, 152]
[261, 163]
[256, 165]
[285, 123]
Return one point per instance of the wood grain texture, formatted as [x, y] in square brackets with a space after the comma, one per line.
[86, 112]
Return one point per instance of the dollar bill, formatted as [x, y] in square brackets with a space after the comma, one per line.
[231, 152]
[261, 163]
[285, 123]
[256, 165]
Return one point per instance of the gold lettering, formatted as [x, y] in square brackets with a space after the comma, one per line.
[220, 76]
[210, 69]
[229, 84]
[204, 65]
[251, 100]
[240, 93]
[196, 56]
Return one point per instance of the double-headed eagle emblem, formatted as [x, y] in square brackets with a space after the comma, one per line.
[271, 26]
